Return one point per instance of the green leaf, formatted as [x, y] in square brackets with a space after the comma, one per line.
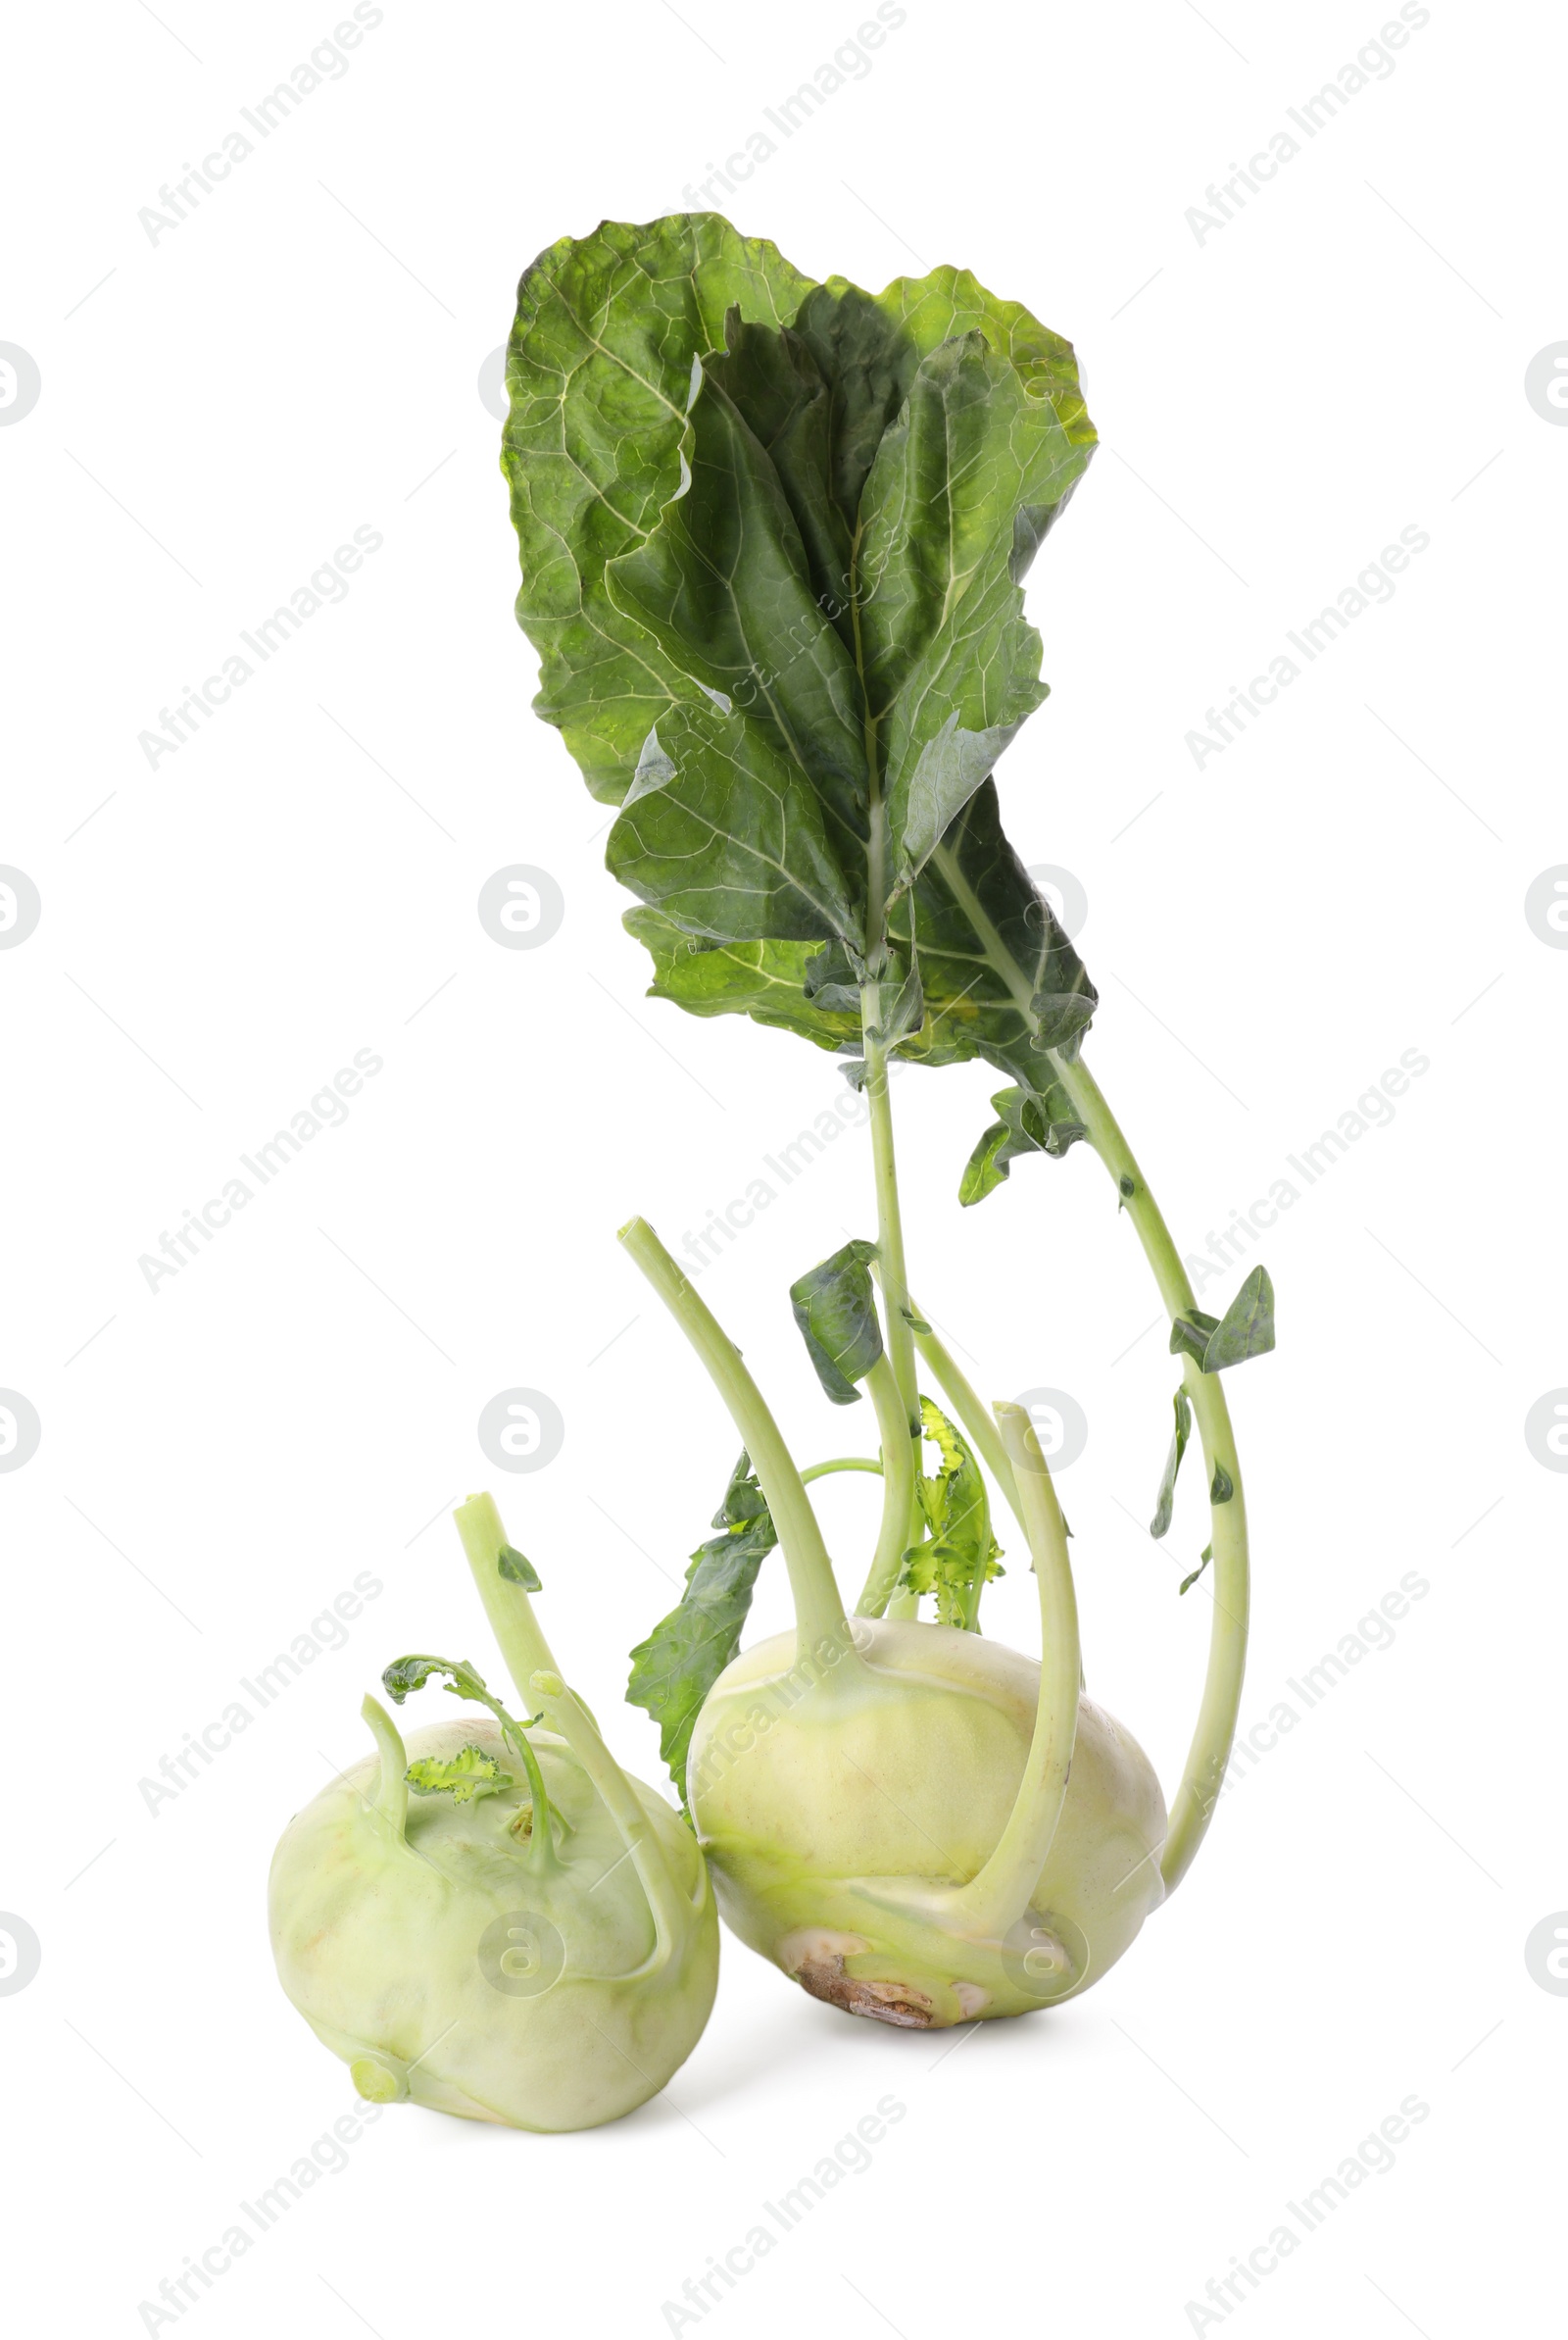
[405, 1675]
[835, 1308]
[744, 1500]
[517, 1570]
[765, 980]
[772, 531]
[600, 373]
[950, 668]
[1029, 1124]
[959, 1552]
[1246, 1328]
[675, 1668]
[463, 1776]
[1188, 1581]
[1223, 1486]
[987, 941]
[1191, 1333]
[722, 833]
[1166, 1500]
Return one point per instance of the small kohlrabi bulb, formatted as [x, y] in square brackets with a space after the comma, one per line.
[493, 1919]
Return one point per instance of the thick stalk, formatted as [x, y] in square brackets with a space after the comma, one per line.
[998, 1895]
[818, 1611]
[898, 1488]
[1209, 1752]
[533, 1670]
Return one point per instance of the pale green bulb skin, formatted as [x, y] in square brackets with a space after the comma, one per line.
[824, 1797]
[392, 1953]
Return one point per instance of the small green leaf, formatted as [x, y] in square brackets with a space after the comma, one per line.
[1191, 1334]
[463, 1776]
[517, 1570]
[1246, 1328]
[1224, 1487]
[744, 1500]
[960, 1554]
[1188, 1581]
[405, 1675]
[835, 1309]
[1128, 1187]
[1166, 1500]
[675, 1668]
[1031, 1123]
[908, 1012]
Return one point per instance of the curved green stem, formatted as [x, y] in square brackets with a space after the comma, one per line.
[997, 1896]
[1193, 1804]
[391, 1797]
[841, 1462]
[533, 1670]
[818, 1611]
[898, 1485]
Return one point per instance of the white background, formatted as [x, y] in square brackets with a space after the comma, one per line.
[219, 1456]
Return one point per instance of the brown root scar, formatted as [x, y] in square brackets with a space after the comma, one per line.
[884, 2002]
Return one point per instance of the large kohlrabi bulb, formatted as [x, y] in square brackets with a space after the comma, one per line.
[841, 1806]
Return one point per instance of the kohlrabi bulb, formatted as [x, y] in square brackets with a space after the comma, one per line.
[916, 1824]
[842, 1804]
[494, 1920]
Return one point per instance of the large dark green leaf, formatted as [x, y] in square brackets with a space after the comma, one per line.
[995, 964]
[598, 371]
[724, 835]
[773, 535]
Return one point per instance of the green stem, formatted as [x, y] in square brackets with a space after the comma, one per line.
[980, 1426]
[819, 1610]
[889, 1221]
[899, 1449]
[996, 1898]
[540, 1852]
[1209, 1752]
[841, 1462]
[533, 1670]
[391, 1798]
